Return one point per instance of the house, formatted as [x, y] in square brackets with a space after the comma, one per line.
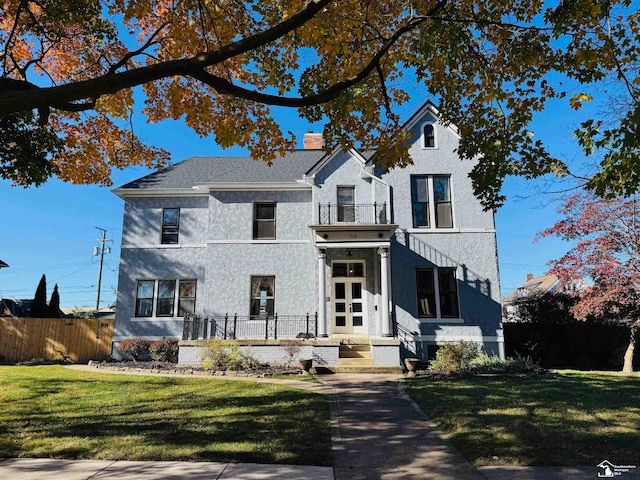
[544, 284]
[12, 307]
[367, 266]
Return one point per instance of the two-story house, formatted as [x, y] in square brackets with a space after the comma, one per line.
[323, 246]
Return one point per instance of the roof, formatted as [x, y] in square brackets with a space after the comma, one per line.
[542, 284]
[15, 307]
[3, 264]
[198, 170]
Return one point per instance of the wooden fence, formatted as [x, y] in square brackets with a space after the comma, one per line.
[77, 339]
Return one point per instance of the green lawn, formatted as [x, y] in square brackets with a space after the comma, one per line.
[50, 411]
[569, 418]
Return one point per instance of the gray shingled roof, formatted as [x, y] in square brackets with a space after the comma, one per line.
[195, 170]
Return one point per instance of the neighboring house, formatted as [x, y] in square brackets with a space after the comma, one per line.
[18, 307]
[536, 286]
[400, 261]
[15, 307]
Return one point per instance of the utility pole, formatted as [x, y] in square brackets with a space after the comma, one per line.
[101, 250]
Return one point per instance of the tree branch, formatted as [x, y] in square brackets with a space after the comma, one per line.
[13, 102]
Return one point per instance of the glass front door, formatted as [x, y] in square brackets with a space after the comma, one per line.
[347, 299]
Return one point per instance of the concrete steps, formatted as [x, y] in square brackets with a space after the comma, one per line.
[355, 356]
[374, 369]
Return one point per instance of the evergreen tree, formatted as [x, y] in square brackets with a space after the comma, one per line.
[54, 303]
[39, 307]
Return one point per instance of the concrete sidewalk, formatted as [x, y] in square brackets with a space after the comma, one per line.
[52, 469]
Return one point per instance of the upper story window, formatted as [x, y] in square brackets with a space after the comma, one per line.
[264, 221]
[170, 225]
[429, 136]
[347, 204]
[431, 201]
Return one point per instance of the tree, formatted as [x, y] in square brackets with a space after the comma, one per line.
[607, 236]
[39, 308]
[85, 65]
[544, 307]
[54, 303]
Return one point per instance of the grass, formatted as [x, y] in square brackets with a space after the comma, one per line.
[569, 418]
[50, 411]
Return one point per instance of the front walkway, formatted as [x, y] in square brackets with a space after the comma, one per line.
[381, 435]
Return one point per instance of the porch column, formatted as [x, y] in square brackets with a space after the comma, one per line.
[322, 295]
[384, 287]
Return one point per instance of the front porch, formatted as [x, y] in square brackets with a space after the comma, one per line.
[266, 339]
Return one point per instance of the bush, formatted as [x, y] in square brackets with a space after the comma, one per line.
[165, 350]
[486, 364]
[137, 348]
[455, 357]
[225, 355]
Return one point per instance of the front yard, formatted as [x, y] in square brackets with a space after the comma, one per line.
[50, 411]
[569, 418]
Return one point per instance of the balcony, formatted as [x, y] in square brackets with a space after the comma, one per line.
[363, 214]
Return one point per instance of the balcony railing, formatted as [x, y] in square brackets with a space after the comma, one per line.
[363, 214]
[235, 327]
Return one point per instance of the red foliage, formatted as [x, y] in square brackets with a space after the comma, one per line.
[607, 232]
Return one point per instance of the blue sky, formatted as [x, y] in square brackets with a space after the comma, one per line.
[51, 229]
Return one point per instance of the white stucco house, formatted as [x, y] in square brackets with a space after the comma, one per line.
[366, 266]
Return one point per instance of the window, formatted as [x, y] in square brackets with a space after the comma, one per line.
[429, 135]
[264, 221]
[445, 290]
[420, 200]
[262, 296]
[144, 298]
[426, 292]
[442, 200]
[346, 204]
[170, 225]
[187, 298]
[165, 298]
[448, 292]
[431, 201]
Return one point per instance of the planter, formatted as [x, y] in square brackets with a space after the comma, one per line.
[412, 365]
[305, 365]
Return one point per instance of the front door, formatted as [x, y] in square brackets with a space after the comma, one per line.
[347, 298]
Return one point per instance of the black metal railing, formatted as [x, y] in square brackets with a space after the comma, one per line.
[364, 214]
[235, 327]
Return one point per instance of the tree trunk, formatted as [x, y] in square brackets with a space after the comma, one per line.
[627, 367]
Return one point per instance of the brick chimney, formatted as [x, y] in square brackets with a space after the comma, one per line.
[529, 276]
[312, 141]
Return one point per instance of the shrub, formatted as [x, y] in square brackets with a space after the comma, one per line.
[493, 364]
[455, 357]
[137, 348]
[165, 350]
[292, 349]
[225, 355]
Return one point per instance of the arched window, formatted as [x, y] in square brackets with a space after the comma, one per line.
[429, 135]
